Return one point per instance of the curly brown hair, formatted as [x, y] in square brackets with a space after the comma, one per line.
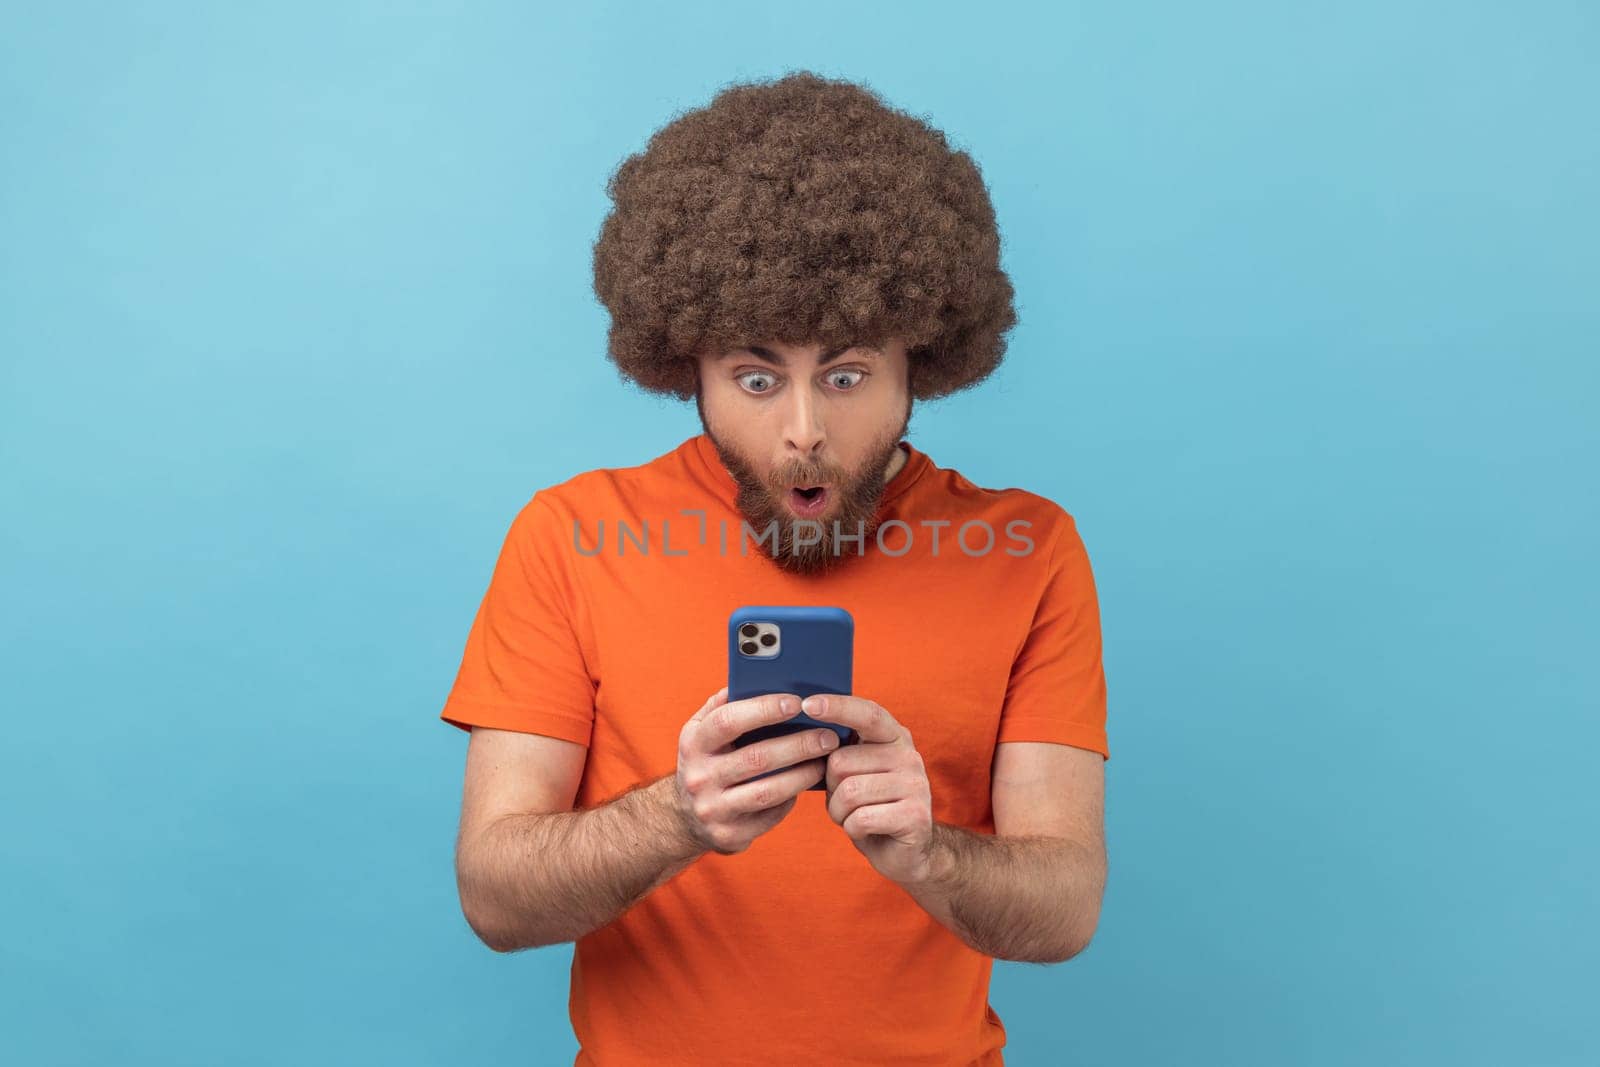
[803, 210]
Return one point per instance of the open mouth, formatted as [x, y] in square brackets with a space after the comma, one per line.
[809, 500]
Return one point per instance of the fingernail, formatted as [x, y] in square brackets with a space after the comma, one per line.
[830, 740]
[812, 706]
[786, 705]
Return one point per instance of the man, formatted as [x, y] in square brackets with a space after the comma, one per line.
[805, 262]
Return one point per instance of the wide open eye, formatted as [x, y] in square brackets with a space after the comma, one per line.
[757, 381]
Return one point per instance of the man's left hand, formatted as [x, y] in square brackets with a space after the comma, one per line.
[878, 789]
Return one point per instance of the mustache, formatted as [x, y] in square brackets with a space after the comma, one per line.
[806, 476]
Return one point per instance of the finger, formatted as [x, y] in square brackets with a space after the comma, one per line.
[888, 819]
[862, 759]
[865, 790]
[744, 763]
[763, 793]
[715, 700]
[723, 724]
[871, 721]
[762, 821]
[749, 827]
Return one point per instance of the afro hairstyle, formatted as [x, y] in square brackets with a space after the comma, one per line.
[803, 210]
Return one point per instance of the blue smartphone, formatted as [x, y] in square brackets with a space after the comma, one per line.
[790, 649]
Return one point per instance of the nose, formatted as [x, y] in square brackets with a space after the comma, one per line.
[802, 426]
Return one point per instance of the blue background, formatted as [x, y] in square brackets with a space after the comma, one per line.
[295, 314]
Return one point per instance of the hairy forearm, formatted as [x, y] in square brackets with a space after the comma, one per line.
[541, 879]
[1034, 899]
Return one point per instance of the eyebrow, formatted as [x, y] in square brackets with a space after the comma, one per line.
[777, 360]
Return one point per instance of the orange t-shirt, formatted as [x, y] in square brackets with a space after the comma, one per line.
[795, 950]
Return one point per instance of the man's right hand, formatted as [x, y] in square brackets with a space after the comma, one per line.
[723, 811]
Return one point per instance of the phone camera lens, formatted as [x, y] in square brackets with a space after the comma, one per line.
[769, 640]
[748, 648]
[748, 629]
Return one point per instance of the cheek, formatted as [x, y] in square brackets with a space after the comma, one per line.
[730, 412]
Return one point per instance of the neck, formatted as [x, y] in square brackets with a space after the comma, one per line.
[895, 464]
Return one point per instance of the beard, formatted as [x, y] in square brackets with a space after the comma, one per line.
[854, 504]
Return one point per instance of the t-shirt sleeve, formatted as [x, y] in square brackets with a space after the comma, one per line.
[525, 665]
[1057, 689]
